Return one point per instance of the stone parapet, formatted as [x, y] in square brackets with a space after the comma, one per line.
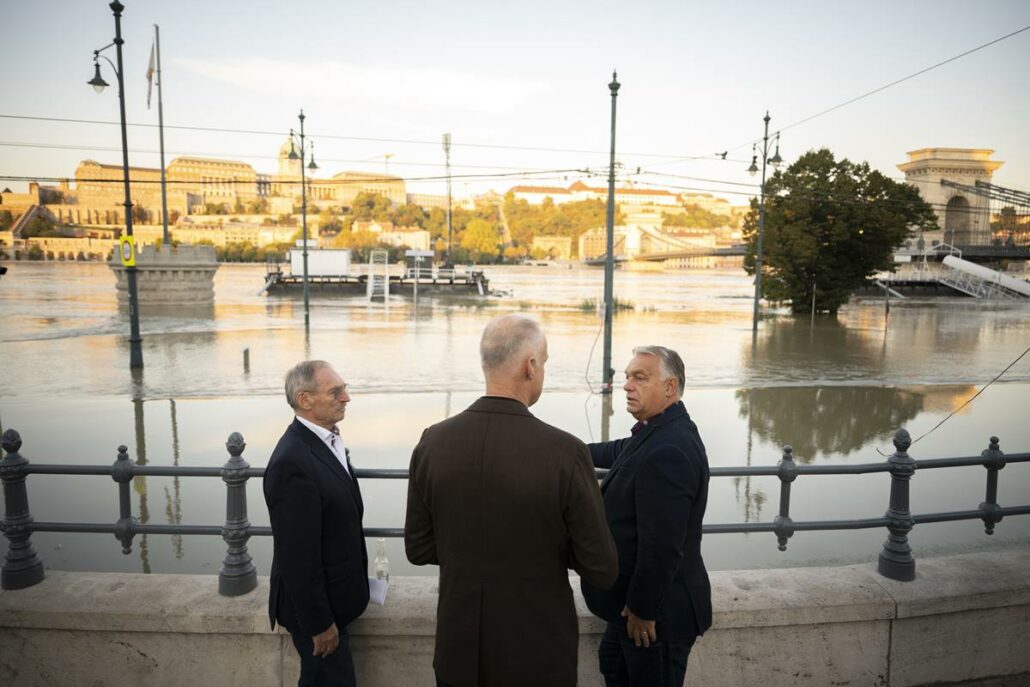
[962, 618]
[169, 275]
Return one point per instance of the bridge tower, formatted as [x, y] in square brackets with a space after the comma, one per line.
[964, 218]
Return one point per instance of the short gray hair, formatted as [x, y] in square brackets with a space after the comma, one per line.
[301, 378]
[670, 363]
[505, 337]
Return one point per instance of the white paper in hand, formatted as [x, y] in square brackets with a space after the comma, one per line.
[377, 590]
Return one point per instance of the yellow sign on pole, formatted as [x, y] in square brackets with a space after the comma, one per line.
[127, 248]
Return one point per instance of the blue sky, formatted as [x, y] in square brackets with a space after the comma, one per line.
[696, 80]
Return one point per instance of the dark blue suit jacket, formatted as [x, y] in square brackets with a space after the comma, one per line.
[654, 498]
[319, 564]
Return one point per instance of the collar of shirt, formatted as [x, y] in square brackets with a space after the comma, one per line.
[644, 423]
[328, 437]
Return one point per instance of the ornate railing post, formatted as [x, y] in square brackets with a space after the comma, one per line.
[994, 460]
[787, 472]
[122, 473]
[896, 560]
[238, 574]
[22, 567]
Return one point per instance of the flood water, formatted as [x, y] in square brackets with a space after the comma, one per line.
[835, 389]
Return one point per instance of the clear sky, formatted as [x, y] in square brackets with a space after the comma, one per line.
[696, 79]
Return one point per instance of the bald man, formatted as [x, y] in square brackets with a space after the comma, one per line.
[506, 504]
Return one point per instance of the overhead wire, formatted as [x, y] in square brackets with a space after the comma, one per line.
[368, 139]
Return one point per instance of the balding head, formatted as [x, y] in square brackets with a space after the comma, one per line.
[506, 342]
[513, 351]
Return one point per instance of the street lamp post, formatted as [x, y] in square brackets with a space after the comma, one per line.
[775, 161]
[609, 257]
[447, 162]
[98, 84]
[303, 203]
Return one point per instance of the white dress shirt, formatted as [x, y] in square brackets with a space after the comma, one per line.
[332, 440]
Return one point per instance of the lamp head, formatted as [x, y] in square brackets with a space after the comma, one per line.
[753, 169]
[293, 151]
[97, 82]
[776, 160]
[311, 165]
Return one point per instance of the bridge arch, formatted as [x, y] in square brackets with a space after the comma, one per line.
[958, 220]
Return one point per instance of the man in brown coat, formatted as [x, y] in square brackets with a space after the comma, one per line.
[505, 504]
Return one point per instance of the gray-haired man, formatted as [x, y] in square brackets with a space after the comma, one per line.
[319, 582]
[654, 498]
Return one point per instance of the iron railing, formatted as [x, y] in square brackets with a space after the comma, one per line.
[22, 567]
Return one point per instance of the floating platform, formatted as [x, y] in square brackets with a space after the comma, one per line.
[441, 283]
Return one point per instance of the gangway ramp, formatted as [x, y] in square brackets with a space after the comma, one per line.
[981, 282]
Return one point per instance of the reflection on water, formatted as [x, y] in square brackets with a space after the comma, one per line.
[835, 389]
[826, 420]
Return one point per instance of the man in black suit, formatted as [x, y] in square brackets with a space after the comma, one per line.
[319, 567]
[654, 497]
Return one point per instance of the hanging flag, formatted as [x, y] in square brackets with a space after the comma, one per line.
[150, 74]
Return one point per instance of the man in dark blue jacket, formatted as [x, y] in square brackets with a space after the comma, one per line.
[319, 581]
[654, 497]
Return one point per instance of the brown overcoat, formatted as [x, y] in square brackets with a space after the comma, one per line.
[506, 504]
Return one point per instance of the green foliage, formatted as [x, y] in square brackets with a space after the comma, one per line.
[257, 207]
[35, 252]
[480, 238]
[1010, 227]
[248, 252]
[618, 304]
[829, 224]
[139, 213]
[409, 215]
[695, 216]
[6, 220]
[216, 208]
[525, 221]
[371, 206]
[39, 226]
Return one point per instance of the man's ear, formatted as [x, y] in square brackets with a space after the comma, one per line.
[530, 367]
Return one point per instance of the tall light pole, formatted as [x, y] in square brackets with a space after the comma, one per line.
[303, 203]
[775, 161]
[609, 257]
[447, 162]
[161, 135]
[98, 84]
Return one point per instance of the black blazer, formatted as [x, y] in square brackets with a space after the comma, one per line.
[654, 498]
[319, 563]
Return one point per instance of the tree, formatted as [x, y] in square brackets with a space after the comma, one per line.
[830, 225]
[480, 239]
[257, 207]
[39, 226]
[139, 213]
[371, 206]
[409, 215]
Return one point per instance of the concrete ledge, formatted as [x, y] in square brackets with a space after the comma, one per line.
[963, 618]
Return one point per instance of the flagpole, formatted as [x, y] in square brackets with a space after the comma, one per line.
[161, 136]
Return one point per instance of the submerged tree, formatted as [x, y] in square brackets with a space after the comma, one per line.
[829, 226]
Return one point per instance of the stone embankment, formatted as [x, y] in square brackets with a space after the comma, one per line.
[964, 619]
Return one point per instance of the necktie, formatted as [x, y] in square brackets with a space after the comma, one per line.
[637, 427]
[334, 437]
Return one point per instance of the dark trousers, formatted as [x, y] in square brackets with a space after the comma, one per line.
[335, 670]
[624, 664]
